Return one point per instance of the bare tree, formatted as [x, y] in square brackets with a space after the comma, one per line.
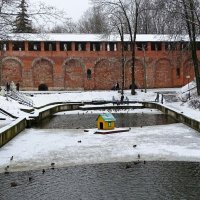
[187, 10]
[190, 18]
[6, 17]
[65, 27]
[129, 11]
[93, 21]
[118, 25]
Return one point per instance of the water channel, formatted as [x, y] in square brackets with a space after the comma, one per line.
[110, 181]
[85, 120]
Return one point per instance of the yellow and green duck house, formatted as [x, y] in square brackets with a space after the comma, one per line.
[106, 124]
[106, 121]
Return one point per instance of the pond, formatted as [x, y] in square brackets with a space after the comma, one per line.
[111, 181]
[86, 120]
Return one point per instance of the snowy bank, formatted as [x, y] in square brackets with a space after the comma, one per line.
[37, 149]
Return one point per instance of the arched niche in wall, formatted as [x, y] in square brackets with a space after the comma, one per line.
[74, 71]
[42, 72]
[107, 73]
[11, 70]
[163, 73]
[139, 74]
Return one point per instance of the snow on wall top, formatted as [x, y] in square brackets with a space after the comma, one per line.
[61, 37]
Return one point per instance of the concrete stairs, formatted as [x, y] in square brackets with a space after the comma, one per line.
[21, 98]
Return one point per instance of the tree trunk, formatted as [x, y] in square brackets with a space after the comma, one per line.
[189, 10]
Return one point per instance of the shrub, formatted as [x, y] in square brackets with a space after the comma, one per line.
[194, 103]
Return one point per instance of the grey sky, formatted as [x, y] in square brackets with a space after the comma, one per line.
[73, 8]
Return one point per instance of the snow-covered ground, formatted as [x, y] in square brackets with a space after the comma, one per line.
[43, 99]
[36, 149]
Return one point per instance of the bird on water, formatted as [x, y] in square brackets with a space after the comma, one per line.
[52, 165]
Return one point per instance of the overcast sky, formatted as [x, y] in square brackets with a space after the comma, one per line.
[73, 8]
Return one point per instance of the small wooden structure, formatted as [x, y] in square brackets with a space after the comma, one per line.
[106, 121]
[116, 130]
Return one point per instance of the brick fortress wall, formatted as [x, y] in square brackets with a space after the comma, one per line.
[94, 70]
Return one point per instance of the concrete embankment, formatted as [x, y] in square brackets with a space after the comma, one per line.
[10, 131]
[179, 116]
[50, 110]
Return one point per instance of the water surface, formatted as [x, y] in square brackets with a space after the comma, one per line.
[111, 181]
[73, 121]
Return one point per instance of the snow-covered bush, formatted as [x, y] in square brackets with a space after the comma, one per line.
[194, 103]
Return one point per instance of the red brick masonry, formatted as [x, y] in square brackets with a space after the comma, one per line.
[92, 69]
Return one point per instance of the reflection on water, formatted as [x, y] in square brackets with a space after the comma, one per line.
[150, 180]
[89, 120]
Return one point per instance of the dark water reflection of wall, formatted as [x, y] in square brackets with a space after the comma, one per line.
[152, 180]
[72, 121]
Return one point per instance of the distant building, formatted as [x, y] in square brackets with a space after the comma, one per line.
[106, 121]
[93, 62]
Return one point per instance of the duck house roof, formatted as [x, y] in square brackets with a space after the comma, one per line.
[107, 117]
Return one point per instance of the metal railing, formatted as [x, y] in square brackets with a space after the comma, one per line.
[21, 98]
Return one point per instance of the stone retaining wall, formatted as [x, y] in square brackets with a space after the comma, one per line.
[47, 112]
[10, 131]
[178, 116]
